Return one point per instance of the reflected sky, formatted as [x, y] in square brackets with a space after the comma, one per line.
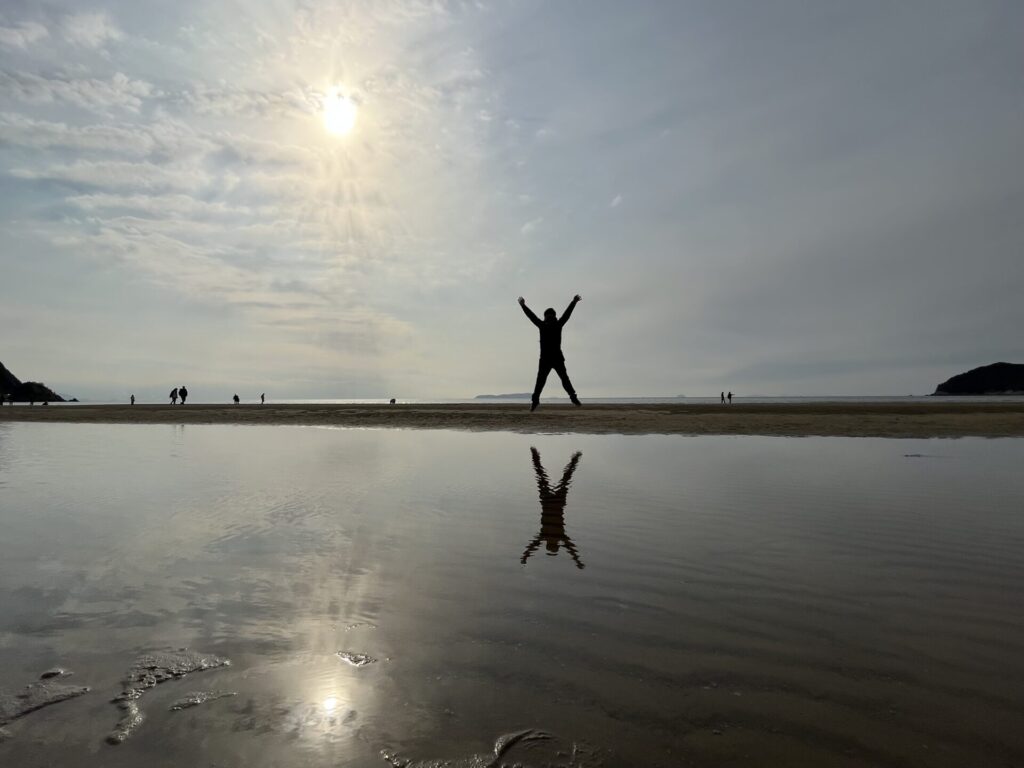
[825, 601]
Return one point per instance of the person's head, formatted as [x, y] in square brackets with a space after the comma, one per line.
[549, 315]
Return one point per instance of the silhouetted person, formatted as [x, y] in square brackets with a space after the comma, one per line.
[552, 511]
[263, 397]
[182, 393]
[133, 399]
[551, 348]
[174, 396]
[235, 398]
[722, 395]
[392, 401]
[730, 398]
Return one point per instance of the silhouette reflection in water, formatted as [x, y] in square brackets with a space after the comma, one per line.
[552, 511]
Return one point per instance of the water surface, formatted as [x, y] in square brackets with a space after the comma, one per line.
[645, 601]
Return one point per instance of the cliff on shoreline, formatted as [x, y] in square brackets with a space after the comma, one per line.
[994, 379]
[13, 388]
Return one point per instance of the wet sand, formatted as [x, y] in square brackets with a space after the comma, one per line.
[939, 418]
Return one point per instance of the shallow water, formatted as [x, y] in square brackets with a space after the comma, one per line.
[679, 601]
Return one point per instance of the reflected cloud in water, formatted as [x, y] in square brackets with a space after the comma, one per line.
[552, 532]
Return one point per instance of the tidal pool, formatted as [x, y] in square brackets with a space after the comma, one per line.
[410, 597]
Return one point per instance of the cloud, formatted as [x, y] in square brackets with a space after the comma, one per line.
[116, 174]
[24, 131]
[119, 91]
[530, 226]
[616, 201]
[22, 34]
[89, 30]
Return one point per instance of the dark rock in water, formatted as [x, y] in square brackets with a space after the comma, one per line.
[528, 749]
[356, 659]
[35, 696]
[995, 379]
[55, 672]
[155, 668]
[130, 721]
[148, 671]
[196, 698]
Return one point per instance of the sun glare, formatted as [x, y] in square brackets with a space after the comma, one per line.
[339, 112]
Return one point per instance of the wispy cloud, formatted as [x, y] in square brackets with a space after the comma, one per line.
[530, 227]
[98, 95]
[22, 34]
[89, 30]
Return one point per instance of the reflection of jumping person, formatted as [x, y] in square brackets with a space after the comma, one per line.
[552, 511]
[551, 348]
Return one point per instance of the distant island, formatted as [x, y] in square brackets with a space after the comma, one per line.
[994, 379]
[513, 396]
[13, 389]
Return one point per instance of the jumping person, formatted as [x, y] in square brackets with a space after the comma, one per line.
[551, 348]
[552, 511]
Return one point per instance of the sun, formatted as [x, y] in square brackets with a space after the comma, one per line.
[339, 112]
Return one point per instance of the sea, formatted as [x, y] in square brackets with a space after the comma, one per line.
[265, 596]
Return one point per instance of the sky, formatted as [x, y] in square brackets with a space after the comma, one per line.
[769, 198]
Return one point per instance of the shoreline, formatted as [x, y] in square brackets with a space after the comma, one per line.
[823, 419]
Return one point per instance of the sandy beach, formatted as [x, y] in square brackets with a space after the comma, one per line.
[914, 419]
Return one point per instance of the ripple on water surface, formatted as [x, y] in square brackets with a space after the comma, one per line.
[672, 601]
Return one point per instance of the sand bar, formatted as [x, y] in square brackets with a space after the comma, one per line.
[938, 418]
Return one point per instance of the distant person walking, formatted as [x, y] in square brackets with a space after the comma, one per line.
[263, 397]
[133, 399]
[182, 393]
[722, 395]
[174, 396]
[551, 348]
[235, 398]
[730, 398]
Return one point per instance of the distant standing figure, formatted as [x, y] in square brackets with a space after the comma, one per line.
[133, 399]
[182, 393]
[730, 398]
[174, 396]
[722, 395]
[263, 397]
[551, 349]
[392, 401]
[235, 398]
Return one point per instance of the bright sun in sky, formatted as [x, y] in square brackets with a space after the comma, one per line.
[339, 112]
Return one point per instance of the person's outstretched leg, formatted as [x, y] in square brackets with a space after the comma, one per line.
[560, 370]
[543, 369]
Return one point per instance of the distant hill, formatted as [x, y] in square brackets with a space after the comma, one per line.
[25, 391]
[994, 379]
[513, 396]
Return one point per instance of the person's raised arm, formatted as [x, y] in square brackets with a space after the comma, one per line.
[568, 310]
[529, 313]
